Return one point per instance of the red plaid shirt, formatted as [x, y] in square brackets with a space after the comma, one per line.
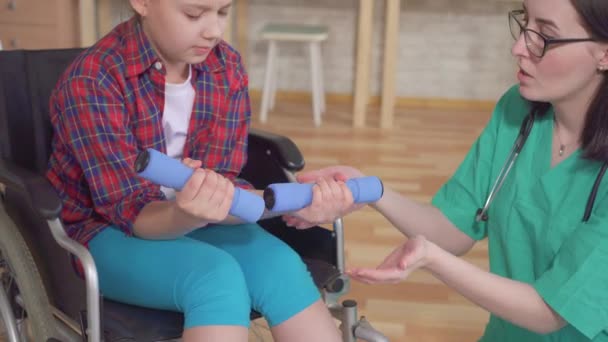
[108, 106]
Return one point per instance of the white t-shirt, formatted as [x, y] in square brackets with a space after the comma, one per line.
[179, 99]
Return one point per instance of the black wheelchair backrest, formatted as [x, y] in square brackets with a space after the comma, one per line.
[27, 79]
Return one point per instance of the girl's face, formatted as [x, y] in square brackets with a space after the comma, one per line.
[183, 31]
[567, 70]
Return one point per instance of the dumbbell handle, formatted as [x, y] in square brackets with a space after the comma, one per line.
[285, 197]
[161, 169]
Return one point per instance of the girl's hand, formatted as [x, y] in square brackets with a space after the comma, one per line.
[410, 256]
[207, 195]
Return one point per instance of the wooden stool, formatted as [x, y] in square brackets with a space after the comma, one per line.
[313, 35]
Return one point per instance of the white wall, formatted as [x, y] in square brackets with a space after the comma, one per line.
[456, 49]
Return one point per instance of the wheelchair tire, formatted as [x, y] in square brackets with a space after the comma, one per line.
[41, 325]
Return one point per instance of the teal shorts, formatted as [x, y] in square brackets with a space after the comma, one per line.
[214, 275]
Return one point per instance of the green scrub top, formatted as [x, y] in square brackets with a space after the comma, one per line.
[535, 231]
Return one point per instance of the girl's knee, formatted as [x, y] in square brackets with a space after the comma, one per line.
[215, 294]
[282, 286]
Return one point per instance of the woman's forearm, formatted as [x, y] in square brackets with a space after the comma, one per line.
[514, 301]
[413, 218]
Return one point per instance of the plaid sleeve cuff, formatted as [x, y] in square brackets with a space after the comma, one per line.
[126, 212]
[243, 184]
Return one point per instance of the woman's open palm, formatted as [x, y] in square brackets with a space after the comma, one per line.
[397, 266]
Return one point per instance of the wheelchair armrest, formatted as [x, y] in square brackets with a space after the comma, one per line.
[36, 188]
[285, 150]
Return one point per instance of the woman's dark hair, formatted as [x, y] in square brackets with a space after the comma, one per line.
[594, 139]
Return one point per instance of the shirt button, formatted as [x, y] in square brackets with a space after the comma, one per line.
[158, 65]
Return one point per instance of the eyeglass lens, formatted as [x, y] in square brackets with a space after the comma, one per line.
[534, 42]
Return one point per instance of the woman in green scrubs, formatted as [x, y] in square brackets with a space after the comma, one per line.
[548, 278]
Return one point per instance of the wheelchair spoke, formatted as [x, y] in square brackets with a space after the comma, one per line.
[19, 302]
[7, 280]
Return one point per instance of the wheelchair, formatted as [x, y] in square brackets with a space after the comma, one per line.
[41, 296]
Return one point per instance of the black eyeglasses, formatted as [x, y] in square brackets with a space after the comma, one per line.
[536, 42]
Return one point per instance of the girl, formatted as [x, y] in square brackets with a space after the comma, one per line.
[166, 80]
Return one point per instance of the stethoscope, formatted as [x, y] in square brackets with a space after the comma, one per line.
[524, 132]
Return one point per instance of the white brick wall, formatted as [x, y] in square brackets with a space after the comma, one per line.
[448, 49]
[456, 49]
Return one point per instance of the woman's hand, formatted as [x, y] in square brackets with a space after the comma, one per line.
[331, 197]
[398, 265]
[330, 200]
[207, 195]
[339, 173]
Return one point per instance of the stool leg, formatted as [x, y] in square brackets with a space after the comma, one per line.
[314, 68]
[270, 61]
[274, 79]
[321, 86]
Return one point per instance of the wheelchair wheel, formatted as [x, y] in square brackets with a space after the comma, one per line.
[23, 285]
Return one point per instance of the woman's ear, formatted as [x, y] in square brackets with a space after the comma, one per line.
[603, 62]
[140, 7]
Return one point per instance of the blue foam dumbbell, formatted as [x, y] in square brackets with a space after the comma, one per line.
[285, 197]
[161, 169]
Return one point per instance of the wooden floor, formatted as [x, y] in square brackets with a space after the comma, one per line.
[415, 157]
